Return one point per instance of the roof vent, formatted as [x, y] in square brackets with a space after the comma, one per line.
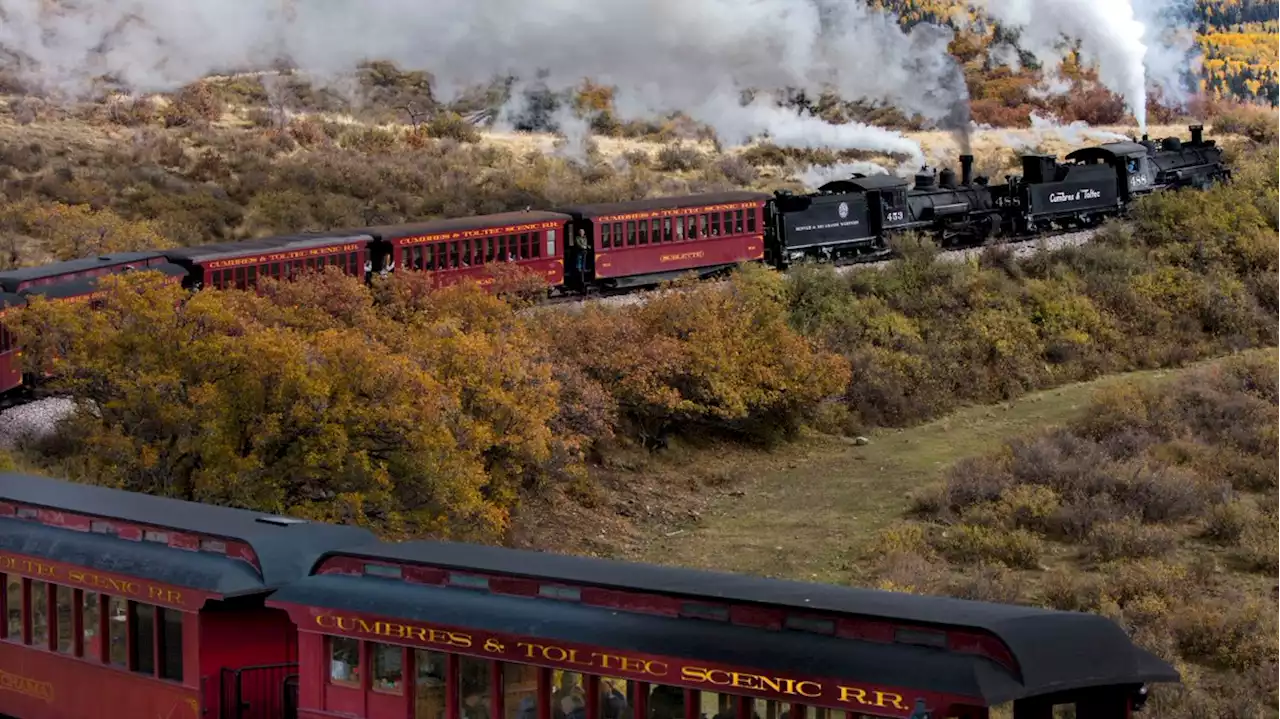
[280, 521]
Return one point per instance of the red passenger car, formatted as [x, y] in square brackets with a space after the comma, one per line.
[447, 631]
[468, 247]
[30, 277]
[67, 285]
[10, 355]
[121, 606]
[646, 242]
[238, 265]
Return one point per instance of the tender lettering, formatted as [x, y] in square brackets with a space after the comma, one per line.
[26, 686]
[871, 698]
[1085, 194]
[828, 226]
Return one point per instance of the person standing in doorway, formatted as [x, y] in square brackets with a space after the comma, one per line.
[580, 246]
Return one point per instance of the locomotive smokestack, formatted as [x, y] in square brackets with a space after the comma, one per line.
[966, 169]
[1197, 134]
[1145, 138]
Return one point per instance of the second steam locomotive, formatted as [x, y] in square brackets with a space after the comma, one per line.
[859, 215]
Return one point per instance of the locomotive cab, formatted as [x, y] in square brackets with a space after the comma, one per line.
[1130, 163]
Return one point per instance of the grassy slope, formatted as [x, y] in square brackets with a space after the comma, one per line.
[804, 512]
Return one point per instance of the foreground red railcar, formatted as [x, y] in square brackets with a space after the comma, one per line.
[646, 242]
[452, 250]
[428, 630]
[125, 605]
[121, 606]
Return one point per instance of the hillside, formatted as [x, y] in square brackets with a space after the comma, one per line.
[1237, 38]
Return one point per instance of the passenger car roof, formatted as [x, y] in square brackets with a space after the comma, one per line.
[263, 246]
[481, 222]
[1053, 649]
[285, 551]
[663, 203]
[10, 279]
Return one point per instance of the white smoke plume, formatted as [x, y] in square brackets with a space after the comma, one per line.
[1134, 44]
[816, 176]
[1043, 128]
[662, 56]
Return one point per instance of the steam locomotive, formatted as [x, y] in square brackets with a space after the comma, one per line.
[857, 216]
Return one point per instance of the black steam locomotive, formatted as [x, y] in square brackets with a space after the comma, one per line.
[856, 218]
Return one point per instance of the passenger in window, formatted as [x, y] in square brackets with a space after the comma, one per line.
[613, 702]
[528, 709]
[573, 706]
[475, 706]
[345, 664]
[666, 702]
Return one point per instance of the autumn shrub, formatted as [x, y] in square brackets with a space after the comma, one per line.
[678, 157]
[1124, 512]
[1229, 523]
[1130, 539]
[308, 399]
[702, 357]
[452, 126]
[193, 104]
[1253, 121]
[973, 544]
[70, 232]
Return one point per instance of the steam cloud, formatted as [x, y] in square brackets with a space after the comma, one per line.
[661, 55]
[694, 56]
[1129, 40]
